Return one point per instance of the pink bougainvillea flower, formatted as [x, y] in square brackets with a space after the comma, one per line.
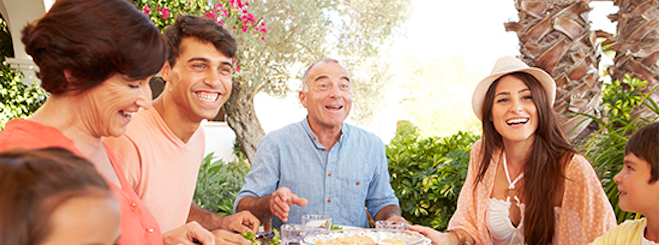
[234, 27]
[220, 22]
[263, 38]
[165, 13]
[158, 9]
[262, 23]
[147, 10]
[237, 68]
[210, 15]
[264, 30]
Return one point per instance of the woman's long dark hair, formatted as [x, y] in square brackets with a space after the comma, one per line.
[544, 170]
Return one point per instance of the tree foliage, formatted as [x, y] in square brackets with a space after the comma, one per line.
[605, 149]
[17, 100]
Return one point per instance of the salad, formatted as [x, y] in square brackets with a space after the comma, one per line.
[263, 238]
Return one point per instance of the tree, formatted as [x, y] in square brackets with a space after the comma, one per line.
[271, 57]
[555, 36]
[300, 32]
[636, 47]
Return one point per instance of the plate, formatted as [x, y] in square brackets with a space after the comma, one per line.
[409, 237]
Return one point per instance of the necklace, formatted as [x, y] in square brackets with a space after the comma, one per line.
[511, 185]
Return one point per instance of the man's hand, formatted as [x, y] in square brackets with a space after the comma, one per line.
[281, 201]
[228, 237]
[240, 222]
[186, 233]
[397, 218]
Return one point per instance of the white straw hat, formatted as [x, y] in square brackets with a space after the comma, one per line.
[505, 66]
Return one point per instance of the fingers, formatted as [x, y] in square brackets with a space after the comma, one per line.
[197, 232]
[250, 222]
[227, 237]
[397, 218]
[300, 201]
[187, 233]
[279, 208]
[281, 201]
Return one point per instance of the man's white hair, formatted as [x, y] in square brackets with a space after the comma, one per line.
[305, 83]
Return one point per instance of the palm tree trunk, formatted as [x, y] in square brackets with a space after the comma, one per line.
[637, 46]
[555, 36]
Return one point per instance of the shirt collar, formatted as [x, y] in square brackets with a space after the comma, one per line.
[314, 138]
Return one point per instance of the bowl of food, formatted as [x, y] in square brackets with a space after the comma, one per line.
[366, 237]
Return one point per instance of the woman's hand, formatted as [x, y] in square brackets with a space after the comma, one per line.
[438, 238]
[187, 233]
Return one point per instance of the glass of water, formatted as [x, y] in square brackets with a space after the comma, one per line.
[395, 226]
[291, 233]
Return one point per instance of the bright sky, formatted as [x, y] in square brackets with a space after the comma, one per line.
[437, 29]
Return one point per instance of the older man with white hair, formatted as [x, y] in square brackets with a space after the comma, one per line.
[321, 165]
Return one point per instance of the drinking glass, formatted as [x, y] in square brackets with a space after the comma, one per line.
[292, 233]
[396, 226]
[317, 221]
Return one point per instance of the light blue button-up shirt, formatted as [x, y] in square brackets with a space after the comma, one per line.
[339, 182]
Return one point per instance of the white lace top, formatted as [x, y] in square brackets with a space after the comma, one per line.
[497, 215]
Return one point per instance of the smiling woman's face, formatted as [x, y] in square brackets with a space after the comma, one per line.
[85, 220]
[514, 113]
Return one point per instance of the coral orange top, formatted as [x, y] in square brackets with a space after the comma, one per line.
[585, 211]
[138, 226]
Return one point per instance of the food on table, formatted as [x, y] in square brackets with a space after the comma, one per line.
[392, 241]
[351, 240]
[264, 238]
[360, 240]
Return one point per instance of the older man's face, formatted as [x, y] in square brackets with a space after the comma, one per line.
[329, 98]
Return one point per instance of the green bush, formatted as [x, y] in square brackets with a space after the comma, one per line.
[427, 174]
[17, 100]
[218, 184]
[605, 150]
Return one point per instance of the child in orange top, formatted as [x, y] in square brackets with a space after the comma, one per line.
[639, 190]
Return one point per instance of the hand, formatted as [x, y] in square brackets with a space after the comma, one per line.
[435, 236]
[240, 222]
[397, 218]
[281, 201]
[228, 237]
[186, 233]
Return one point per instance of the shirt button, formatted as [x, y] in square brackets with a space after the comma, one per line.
[314, 138]
[329, 175]
[151, 230]
[328, 200]
[322, 149]
[133, 204]
[357, 182]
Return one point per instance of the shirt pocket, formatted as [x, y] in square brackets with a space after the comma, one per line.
[353, 194]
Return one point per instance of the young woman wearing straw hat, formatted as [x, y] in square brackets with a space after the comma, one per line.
[526, 184]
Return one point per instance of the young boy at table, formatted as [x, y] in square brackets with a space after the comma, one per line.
[639, 190]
